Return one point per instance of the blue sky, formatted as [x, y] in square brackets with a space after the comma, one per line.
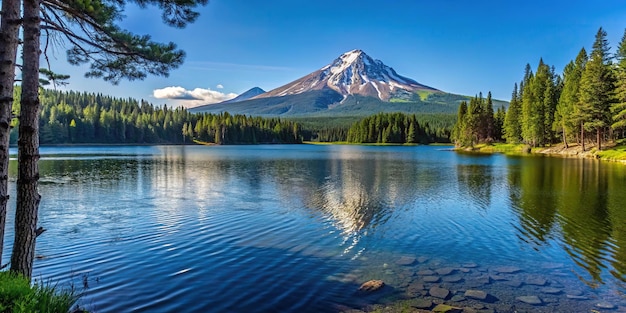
[462, 47]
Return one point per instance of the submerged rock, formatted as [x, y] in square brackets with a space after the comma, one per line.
[422, 259]
[476, 294]
[444, 308]
[423, 304]
[452, 279]
[605, 305]
[457, 298]
[537, 281]
[445, 271]
[426, 273]
[372, 285]
[575, 297]
[513, 283]
[431, 279]
[497, 277]
[534, 300]
[507, 269]
[438, 292]
[552, 291]
[405, 260]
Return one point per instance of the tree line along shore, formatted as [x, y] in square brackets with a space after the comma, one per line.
[580, 113]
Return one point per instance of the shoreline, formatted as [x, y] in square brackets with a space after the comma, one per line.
[612, 152]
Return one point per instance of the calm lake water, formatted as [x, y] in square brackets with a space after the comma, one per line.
[299, 228]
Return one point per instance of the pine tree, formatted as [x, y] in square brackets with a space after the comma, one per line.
[566, 120]
[9, 39]
[458, 132]
[498, 121]
[487, 119]
[512, 125]
[596, 87]
[619, 107]
[90, 28]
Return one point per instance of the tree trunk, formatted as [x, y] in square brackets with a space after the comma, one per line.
[565, 138]
[582, 135]
[599, 138]
[9, 32]
[28, 147]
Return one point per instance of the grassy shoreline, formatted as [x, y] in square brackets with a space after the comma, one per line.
[615, 152]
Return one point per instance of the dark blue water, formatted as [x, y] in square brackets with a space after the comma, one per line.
[299, 228]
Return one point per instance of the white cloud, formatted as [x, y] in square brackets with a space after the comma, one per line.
[191, 98]
[219, 86]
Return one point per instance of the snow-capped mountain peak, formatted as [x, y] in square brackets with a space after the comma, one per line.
[353, 72]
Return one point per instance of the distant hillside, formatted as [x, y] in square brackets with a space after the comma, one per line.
[330, 103]
[252, 92]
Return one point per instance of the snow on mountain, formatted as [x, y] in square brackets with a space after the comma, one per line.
[354, 72]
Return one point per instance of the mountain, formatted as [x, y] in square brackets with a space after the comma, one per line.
[353, 73]
[354, 84]
[252, 92]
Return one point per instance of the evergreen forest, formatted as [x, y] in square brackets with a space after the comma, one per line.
[70, 117]
[585, 105]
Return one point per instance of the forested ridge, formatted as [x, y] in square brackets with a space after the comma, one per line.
[80, 117]
[397, 128]
[71, 117]
[584, 105]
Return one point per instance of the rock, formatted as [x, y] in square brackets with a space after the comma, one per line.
[574, 297]
[423, 304]
[552, 291]
[476, 294]
[513, 283]
[372, 285]
[405, 260]
[426, 273]
[469, 265]
[464, 270]
[497, 277]
[605, 305]
[575, 292]
[437, 292]
[457, 298]
[507, 269]
[445, 271]
[422, 259]
[534, 300]
[537, 281]
[452, 279]
[431, 279]
[444, 308]
[415, 290]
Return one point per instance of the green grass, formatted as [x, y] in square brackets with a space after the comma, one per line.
[424, 94]
[617, 153]
[17, 295]
[505, 148]
[398, 100]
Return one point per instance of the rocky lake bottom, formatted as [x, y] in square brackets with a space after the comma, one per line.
[423, 284]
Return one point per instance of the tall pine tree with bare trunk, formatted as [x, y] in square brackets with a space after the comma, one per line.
[28, 197]
[89, 29]
[9, 35]
[619, 107]
[596, 89]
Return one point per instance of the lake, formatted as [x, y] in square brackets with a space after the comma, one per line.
[298, 228]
